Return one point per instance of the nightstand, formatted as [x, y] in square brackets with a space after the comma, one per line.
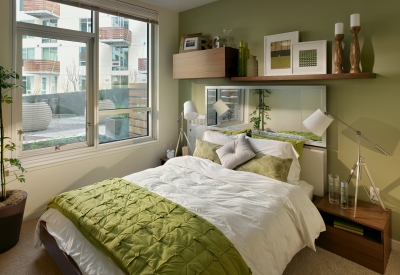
[163, 160]
[372, 249]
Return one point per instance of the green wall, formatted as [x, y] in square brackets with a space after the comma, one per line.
[369, 105]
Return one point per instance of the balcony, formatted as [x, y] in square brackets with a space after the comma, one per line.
[118, 36]
[42, 9]
[44, 67]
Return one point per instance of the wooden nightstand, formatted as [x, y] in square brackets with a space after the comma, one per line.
[372, 249]
[163, 160]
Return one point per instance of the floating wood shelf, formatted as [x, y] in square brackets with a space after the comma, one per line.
[304, 77]
[220, 62]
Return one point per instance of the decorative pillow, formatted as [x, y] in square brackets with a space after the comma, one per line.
[269, 166]
[233, 132]
[296, 143]
[218, 138]
[306, 135]
[278, 149]
[235, 152]
[206, 150]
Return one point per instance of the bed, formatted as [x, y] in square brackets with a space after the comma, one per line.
[268, 221]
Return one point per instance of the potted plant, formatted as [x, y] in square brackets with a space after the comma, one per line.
[12, 202]
[36, 115]
[259, 120]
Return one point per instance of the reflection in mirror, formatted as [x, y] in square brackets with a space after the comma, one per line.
[289, 107]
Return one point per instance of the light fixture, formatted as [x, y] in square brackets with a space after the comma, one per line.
[189, 113]
[319, 121]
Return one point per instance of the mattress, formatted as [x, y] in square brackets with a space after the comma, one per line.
[268, 221]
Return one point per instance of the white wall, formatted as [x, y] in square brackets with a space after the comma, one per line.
[46, 181]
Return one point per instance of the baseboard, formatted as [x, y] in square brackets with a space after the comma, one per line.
[395, 245]
[32, 215]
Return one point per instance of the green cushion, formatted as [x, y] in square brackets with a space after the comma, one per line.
[296, 143]
[307, 135]
[206, 150]
[269, 166]
[233, 132]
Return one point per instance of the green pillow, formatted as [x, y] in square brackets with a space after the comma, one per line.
[233, 132]
[296, 143]
[307, 135]
[206, 150]
[269, 166]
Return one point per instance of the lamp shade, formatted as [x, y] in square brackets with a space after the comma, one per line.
[318, 122]
[220, 107]
[190, 110]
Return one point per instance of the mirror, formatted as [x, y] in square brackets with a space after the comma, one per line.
[289, 107]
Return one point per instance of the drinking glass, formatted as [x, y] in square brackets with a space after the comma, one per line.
[334, 188]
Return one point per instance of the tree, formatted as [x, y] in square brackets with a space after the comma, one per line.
[73, 75]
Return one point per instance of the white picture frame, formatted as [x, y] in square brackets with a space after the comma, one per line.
[278, 53]
[309, 57]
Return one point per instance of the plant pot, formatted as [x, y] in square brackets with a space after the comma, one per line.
[35, 116]
[105, 104]
[117, 128]
[10, 223]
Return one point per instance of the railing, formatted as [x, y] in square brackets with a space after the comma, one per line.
[36, 6]
[142, 64]
[42, 66]
[115, 34]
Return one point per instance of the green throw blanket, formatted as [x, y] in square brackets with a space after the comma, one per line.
[144, 233]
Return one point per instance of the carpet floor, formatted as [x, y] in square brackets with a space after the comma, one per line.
[25, 259]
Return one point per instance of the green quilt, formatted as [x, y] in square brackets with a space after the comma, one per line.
[144, 233]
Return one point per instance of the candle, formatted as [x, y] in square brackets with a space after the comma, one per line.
[355, 20]
[338, 28]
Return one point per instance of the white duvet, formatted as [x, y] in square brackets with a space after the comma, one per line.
[268, 221]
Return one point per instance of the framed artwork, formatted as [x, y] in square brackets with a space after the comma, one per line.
[278, 53]
[190, 42]
[309, 57]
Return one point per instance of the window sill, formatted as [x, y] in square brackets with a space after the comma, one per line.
[54, 159]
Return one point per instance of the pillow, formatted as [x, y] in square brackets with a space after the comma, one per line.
[269, 166]
[206, 150]
[278, 134]
[296, 143]
[218, 138]
[278, 149]
[235, 152]
[233, 132]
[306, 135]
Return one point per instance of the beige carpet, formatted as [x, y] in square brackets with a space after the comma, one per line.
[24, 259]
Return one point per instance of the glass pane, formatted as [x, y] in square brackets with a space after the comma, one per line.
[47, 13]
[122, 126]
[123, 71]
[231, 97]
[211, 113]
[54, 98]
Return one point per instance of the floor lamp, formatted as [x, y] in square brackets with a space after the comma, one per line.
[189, 113]
[220, 107]
[318, 122]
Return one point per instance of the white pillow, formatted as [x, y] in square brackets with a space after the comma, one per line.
[219, 138]
[235, 153]
[278, 149]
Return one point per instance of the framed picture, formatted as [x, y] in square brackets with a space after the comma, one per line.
[278, 53]
[190, 42]
[309, 57]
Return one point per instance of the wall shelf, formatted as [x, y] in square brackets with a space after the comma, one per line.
[304, 77]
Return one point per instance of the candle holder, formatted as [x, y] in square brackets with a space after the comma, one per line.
[338, 55]
[355, 51]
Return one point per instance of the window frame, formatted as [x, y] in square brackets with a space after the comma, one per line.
[93, 147]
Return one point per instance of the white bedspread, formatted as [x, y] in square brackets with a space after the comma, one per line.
[268, 221]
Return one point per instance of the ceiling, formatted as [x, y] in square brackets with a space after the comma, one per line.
[178, 5]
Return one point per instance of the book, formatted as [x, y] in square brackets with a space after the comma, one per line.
[349, 230]
[343, 223]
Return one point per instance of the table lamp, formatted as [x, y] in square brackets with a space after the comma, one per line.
[319, 121]
[189, 113]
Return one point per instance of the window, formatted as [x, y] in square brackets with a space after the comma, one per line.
[120, 58]
[27, 84]
[28, 53]
[85, 25]
[49, 53]
[233, 98]
[66, 74]
[82, 56]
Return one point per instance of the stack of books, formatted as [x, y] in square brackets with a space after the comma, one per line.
[348, 226]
